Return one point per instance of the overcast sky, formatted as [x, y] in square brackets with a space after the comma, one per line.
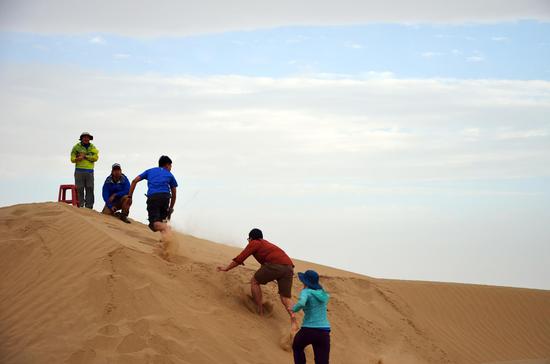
[397, 141]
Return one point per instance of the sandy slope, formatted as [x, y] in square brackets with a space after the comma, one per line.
[78, 287]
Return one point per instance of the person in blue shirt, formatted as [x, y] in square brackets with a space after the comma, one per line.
[315, 328]
[115, 194]
[161, 193]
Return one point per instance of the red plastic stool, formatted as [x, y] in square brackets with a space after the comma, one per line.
[63, 194]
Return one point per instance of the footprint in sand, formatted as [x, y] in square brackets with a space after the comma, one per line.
[250, 304]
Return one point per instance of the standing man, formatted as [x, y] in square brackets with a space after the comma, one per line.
[115, 194]
[161, 193]
[84, 154]
[276, 265]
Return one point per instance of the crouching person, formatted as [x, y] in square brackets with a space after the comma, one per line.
[115, 194]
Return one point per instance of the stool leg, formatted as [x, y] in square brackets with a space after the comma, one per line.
[75, 196]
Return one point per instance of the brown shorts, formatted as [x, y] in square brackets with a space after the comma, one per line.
[282, 273]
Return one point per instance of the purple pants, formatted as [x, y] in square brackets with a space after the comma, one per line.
[319, 339]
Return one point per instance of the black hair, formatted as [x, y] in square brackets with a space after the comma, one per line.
[255, 234]
[164, 160]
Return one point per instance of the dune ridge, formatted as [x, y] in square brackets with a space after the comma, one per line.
[79, 287]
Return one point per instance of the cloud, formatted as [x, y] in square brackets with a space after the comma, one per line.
[121, 56]
[353, 45]
[298, 39]
[97, 40]
[471, 134]
[523, 134]
[387, 168]
[499, 39]
[344, 122]
[41, 47]
[173, 17]
[476, 58]
[431, 54]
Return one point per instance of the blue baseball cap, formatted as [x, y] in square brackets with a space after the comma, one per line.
[310, 278]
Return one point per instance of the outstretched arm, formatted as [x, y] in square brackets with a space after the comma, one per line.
[133, 186]
[238, 260]
[230, 266]
[301, 301]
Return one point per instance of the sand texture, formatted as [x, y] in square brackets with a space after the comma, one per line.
[79, 287]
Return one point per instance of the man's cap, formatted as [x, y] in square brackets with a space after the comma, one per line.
[255, 234]
[116, 166]
[85, 133]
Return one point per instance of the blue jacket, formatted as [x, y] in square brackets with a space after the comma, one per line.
[120, 188]
[314, 303]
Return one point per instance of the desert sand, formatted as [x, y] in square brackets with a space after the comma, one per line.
[79, 287]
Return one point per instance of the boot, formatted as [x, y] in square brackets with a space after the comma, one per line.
[124, 217]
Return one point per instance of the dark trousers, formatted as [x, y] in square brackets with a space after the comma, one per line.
[320, 339]
[84, 182]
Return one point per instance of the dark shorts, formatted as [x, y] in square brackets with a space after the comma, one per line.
[283, 274]
[157, 207]
[117, 204]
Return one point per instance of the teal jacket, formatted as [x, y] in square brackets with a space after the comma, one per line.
[314, 303]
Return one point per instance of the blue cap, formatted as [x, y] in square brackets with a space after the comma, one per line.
[310, 278]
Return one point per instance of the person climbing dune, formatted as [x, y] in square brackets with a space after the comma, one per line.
[315, 328]
[161, 193]
[276, 265]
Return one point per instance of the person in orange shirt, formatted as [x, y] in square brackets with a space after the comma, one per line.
[276, 265]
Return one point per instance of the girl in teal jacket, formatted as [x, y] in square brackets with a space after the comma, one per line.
[315, 329]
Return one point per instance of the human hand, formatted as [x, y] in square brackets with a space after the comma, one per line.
[170, 211]
[221, 269]
[294, 327]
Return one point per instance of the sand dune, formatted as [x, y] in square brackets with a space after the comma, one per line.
[79, 287]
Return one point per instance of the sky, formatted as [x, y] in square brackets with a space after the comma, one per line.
[408, 140]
